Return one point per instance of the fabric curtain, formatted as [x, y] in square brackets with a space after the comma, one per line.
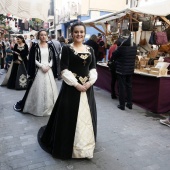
[26, 8]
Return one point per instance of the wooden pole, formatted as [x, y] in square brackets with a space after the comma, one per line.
[93, 25]
[166, 20]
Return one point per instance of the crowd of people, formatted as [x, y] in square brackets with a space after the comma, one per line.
[33, 64]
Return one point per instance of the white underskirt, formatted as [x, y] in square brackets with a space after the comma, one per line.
[84, 142]
[42, 95]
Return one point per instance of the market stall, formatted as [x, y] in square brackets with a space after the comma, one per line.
[150, 92]
[117, 23]
[151, 80]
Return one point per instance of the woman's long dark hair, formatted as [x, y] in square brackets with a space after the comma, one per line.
[38, 34]
[21, 37]
[78, 24]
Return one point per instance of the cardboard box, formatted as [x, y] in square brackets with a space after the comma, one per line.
[159, 71]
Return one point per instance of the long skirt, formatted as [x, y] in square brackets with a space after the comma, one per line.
[42, 95]
[16, 77]
[72, 127]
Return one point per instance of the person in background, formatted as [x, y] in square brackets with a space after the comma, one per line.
[27, 41]
[70, 39]
[67, 41]
[57, 48]
[13, 42]
[55, 43]
[112, 69]
[31, 37]
[31, 40]
[7, 43]
[9, 56]
[2, 52]
[34, 40]
[41, 93]
[112, 48]
[62, 41]
[92, 42]
[71, 129]
[49, 38]
[124, 58]
[101, 50]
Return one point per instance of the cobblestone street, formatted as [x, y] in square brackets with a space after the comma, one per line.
[126, 140]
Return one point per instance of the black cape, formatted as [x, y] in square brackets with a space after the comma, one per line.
[36, 55]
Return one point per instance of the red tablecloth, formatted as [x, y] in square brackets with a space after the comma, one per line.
[150, 93]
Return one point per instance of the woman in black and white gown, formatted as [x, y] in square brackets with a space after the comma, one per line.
[16, 77]
[42, 93]
[72, 127]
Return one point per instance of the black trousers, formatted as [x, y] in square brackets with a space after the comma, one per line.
[113, 81]
[125, 89]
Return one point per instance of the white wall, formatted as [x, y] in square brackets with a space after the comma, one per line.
[143, 2]
[102, 5]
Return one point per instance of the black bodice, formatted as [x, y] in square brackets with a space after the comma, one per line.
[78, 63]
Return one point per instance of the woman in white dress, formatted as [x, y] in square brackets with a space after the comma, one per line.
[41, 93]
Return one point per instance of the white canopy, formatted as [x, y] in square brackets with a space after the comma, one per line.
[158, 8]
[108, 17]
[33, 32]
[26, 8]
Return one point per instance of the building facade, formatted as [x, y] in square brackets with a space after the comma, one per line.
[68, 11]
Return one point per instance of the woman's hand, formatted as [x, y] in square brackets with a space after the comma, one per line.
[17, 62]
[16, 53]
[45, 68]
[87, 85]
[81, 88]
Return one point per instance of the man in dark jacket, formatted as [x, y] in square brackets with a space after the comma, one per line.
[92, 42]
[57, 48]
[124, 58]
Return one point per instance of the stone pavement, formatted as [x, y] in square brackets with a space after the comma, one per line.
[126, 140]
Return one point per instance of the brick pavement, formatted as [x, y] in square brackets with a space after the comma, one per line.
[127, 140]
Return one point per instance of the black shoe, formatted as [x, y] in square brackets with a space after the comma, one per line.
[113, 96]
[17, 107]
[121, 107]
[129, 106]
[59, 78]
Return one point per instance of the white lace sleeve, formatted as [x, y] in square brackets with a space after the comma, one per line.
[69, 78]
[38, 63]
[92, 76]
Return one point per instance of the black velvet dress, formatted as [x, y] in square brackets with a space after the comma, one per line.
[18, 76]
[58, 136]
